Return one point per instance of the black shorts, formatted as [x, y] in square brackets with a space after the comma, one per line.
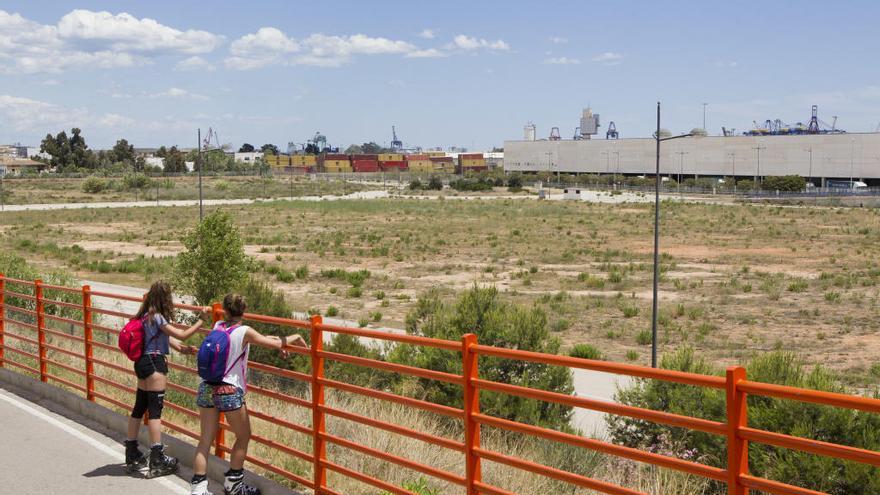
[149, 364]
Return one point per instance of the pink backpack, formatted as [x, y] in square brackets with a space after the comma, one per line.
[131, 338]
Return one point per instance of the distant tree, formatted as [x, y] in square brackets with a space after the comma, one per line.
[354, 150]
[372, 148]
[312, 149]
[175, 162]
[122, 152]
[269, 149]
[790, 183]
[246, 148]
[162, 152]
[68, 153]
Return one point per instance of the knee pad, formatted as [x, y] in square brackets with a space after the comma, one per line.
[140, 404]
[155, 403]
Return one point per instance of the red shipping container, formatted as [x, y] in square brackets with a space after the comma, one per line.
[416, 157]
[471, 156]
[442, 159]
[365, 165]
[393, 165]
[365, 157]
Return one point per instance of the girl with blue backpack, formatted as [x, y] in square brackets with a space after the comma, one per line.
[223, 366]
[151, 368]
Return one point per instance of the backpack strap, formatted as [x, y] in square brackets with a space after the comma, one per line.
[243, 350]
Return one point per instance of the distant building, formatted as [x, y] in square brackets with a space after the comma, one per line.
[13, 165]
[248, 157]
[154, 161]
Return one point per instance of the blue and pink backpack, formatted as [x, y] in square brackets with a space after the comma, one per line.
[213, 356]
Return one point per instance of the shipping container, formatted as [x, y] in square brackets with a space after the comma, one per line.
[392, 165]
[441, 159]
[365, 165]
[364, 157]
[335, 156]
[435, 153]
[390, 157]
[424, 166]
[470, 156]
[415, 157]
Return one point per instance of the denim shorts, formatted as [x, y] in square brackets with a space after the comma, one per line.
[223, 397]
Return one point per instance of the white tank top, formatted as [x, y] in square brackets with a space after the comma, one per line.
[237, 370]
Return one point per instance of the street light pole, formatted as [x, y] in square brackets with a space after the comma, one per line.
[758, 148]
[680, 168]
[852, 144]
[655, 302]
[733, 163]
[810, 173]
[200, 164]
[704, 116]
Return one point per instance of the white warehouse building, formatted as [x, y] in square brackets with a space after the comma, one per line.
[816, 156]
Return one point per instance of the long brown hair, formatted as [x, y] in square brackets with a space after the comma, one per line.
[158, 300]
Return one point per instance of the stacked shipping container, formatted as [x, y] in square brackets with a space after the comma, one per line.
[365, 163]
[419, 164]
[336, 163]
[443, 164]
[471, 162]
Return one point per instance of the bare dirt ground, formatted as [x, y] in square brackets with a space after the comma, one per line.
[736, 279]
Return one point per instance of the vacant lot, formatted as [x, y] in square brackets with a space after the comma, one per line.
[61, 190]
[736, 280]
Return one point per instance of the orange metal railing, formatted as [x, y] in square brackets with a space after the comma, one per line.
[32, 315]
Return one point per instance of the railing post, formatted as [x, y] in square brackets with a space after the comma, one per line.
[470, 372]
[41, 334]
[87, 341]
[319, 424]
[220, 439]
[2, 317]
[737, 417]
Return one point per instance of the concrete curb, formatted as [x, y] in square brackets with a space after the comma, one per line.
[119, 424]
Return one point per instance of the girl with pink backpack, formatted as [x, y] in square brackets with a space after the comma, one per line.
[153, 319]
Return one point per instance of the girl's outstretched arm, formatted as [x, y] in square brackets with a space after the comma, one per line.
[273, 341]
[172, 331]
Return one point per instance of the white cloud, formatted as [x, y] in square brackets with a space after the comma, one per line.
[179, 94]
[464, 42]
[194, 63]
[270, 46]
[558, 40]
[86, 39]
[429, 53]
[124, 32]
[721, 63]
[427, 34]
[25, 114]
[608, 58]
[562, 61]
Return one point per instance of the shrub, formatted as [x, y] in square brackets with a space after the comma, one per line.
[847, 427]
[644, 337]
[798, 285]
[497, 323]
[585, 351]
[302, 272]
[214, 261]
[632, 355]
[376, 316]
[415, 184]
[434, 183]
[790, 183]
[629, 311]
[514, 183]
[332, 311]
[354, 292]
[135, 181]
[285, 276]
[94, 185]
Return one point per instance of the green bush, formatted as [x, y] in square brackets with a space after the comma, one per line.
[822, 423]
[644, 337]
[94, 185]
[332, 311]
[790, 183]
[214, 261]
[415, 184]
[434, 183]
[585, 351]
[496, 323]
[135, 181]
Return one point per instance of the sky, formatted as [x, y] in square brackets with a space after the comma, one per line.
[452, 73]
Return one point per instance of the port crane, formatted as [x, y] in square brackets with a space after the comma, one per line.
[611, 133]
[554, 134]
[396, 144]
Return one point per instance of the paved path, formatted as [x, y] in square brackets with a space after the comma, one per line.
[46, 453]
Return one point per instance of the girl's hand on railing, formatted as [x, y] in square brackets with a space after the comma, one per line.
[206, 314]
[189, 350]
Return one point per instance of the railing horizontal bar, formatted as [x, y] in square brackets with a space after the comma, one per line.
[110, 312]
[110, 295]
[604, 366]
[277, 470]
[364, 478]
[62, 288]
[114, 366]
[295, 375]
[180, 367]
[491, 490]
[19, 295]
[67, 368]
[274, 320]
[115, 402]
[280, 396]
[400, 461]
[775, 487]
[66, 382]
[185, 411]
[813, 396]
[64, 320]
[395, 337]
[19, 281]
[181, 429]
[63, 304]
[397, 368]
[19, 365]
[21, 338]
[281, 447]
[704, 425]
[108, 347]
[812, 446]
[397, 399]
[606, 448]
[181, 388]
[62, 350]
[19, 309]
[114, 331]
[554, 473]
[113, 384]
[425, 437]
[280, 422]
